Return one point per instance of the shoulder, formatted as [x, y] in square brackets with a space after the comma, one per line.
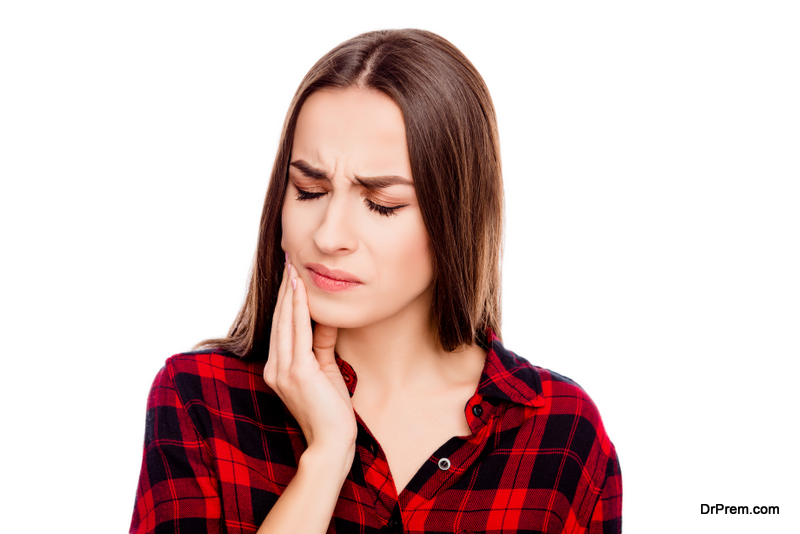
[212, 367]
[571, 417]
[564, 395]
[210, 381]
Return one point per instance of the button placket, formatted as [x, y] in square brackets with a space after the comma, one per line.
[478, 412]
[395, 523]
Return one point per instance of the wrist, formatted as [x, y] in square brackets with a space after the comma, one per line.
[328, 461]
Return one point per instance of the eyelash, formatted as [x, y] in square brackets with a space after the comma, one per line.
[307, 195]
[385, 211]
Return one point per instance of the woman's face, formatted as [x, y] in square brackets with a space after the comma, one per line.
[351, 222]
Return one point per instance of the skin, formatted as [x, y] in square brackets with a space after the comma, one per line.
[349, 134]
[411, 393]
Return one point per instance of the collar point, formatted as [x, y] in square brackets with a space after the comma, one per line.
[539, 401]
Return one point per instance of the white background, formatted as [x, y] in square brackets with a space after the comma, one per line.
[652, 168]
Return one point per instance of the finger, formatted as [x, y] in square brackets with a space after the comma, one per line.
[281, 295]
[270, 369]
[283, 331]
[301, 321]
[325, 343]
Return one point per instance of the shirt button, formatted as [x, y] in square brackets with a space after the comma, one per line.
[444, 464]
[393, 527]
[477, 410]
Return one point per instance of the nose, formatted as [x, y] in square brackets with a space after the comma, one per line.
[335, 234]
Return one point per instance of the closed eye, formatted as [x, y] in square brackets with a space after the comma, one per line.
[307, 195]
[386, 211]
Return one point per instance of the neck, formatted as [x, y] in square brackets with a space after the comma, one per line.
[403, 352]
[391, 350]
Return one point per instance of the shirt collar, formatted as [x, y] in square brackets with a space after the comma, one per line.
[508, 377]
[505, 376]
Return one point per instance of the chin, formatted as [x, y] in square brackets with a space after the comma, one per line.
[337, 316]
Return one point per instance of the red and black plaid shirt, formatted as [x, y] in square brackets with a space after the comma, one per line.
[220, 447]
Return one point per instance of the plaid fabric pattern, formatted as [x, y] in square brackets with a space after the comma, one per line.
[220, 448]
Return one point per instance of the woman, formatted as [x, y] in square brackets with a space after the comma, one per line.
[386, 402]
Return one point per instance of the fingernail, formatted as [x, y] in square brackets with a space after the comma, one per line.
[294, 283]
[286, 258]
[288, 268]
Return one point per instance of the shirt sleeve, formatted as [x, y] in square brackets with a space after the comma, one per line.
[607, 515]
[178, 491]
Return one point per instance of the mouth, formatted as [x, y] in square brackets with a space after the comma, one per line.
[332, 280]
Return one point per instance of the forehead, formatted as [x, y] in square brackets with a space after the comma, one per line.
[352, 130]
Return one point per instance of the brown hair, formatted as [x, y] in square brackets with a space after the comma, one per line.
[454, 151]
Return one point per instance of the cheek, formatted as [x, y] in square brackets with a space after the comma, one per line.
[293, 232]
[411, 253]
[285, 223]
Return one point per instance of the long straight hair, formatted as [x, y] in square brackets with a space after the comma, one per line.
[453, 146]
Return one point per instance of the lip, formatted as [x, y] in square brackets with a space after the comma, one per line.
[332, 280]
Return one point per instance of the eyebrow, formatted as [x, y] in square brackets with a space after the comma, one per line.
[371, 182]
[308, 170]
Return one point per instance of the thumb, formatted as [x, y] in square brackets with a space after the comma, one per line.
[324, 343]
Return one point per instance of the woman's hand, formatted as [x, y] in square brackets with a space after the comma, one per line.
[302, 370]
